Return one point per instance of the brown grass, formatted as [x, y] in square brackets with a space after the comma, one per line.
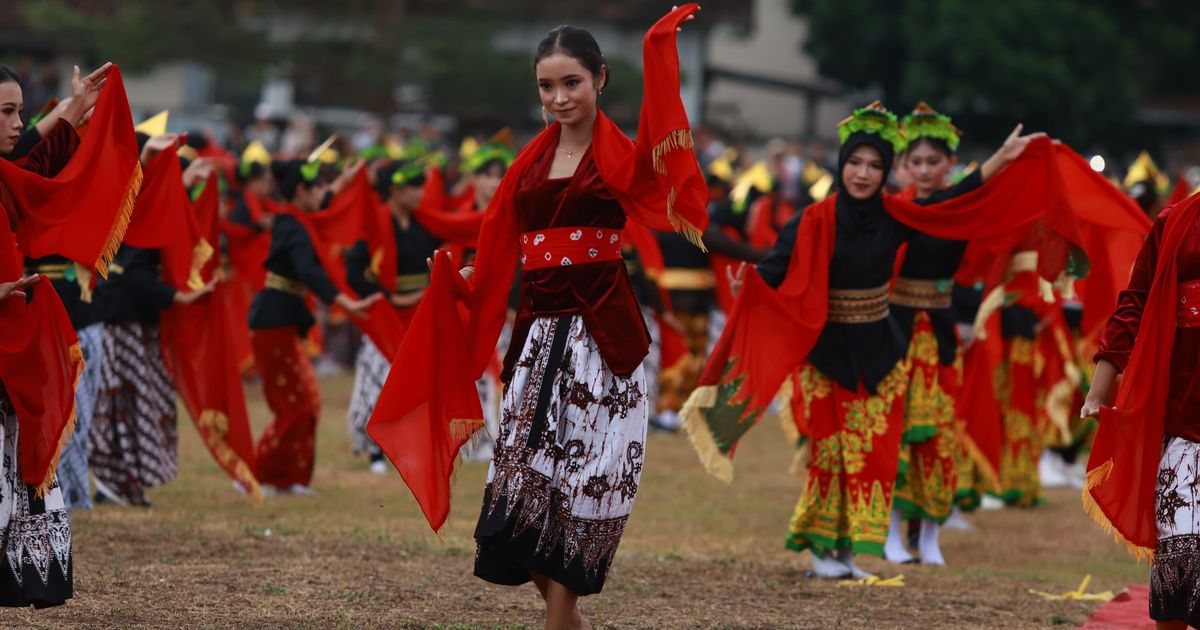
[697, 554]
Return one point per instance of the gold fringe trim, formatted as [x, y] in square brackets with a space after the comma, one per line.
[462, 429]
[1094, 478]
[714, 461]
[801, 461]
[678, 139]
[217, 424]
[990, 475]
[693, 234]
[117, 234]
[69, 430]
[990, 304]
[201, 254]
[787, 419]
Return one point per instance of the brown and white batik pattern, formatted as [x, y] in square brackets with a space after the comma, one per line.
[577, 485]
[135, 435]
[652, 365]
[36, 565]
[370, 371]
[1175, 572]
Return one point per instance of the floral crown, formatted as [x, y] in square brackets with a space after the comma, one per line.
[925, 122]
[876, 119]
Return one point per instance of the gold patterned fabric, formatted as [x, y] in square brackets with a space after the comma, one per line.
[854, 440]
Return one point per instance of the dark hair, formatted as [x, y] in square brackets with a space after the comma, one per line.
[287, 173]
[8, 76]
[197, 140]
[577, 44]
[142, 139]
[937, 144]
[490, 165]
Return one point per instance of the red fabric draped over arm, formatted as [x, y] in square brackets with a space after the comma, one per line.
[429, 406]
[82, 212]
[1123, 466]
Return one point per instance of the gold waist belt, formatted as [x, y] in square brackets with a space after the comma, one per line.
[858, 306]
[681, 279]
[412, 282]
[54, 272]
[923, 294]
[285, 284]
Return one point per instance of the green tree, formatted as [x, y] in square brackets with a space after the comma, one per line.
[1076, 69]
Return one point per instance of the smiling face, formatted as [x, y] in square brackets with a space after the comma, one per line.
[927, 165]
[862, 176]
[567, 88]
[12, 105]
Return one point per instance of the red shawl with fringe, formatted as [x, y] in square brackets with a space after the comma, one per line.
[204, 364]
[770, 331]
[165, 221]
[80, 212]
[429, 405]
[1123, 467]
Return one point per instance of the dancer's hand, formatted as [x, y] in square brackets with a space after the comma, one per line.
[85, 91]
[357, 308]
[687, 19]
[407, 299]
[736, 279]
[1015, 143]
[1090, 409]
[156, 145]
[16, 288]
[191, 297]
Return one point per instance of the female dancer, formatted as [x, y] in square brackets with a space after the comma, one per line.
[571, 446]
[921, 304]
[279, 320]
[1142, 475]
[51, 208]
[829, 326]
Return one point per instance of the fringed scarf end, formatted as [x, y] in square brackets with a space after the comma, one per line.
[1096, 477]
[117, 234]
[715, 462]
[678, 139]
[69, 430]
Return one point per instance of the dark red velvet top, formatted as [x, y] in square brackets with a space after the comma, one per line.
[1116, 341]
[599, 292]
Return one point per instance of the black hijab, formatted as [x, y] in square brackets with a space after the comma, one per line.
[862, 214]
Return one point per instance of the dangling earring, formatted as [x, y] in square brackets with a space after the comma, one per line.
[545, 116]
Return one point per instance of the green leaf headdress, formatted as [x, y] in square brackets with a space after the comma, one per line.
[926, 122]
[876, 119]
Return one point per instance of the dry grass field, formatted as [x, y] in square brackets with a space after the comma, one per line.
[697, 554]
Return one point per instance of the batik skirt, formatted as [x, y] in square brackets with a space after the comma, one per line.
[73, 463]
[567, 463]
[36, 570]
[1175, 572]
[928, 475]
[370, 371]
[287, 449]
[854, 440]
[135, 433]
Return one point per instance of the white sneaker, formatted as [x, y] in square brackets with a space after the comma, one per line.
[301, 490]
[929, 545]
[957, 521]
[379, 467]
[989, 502]
[828, 567]
[894, 550]
[1052, 470]
[846, 557]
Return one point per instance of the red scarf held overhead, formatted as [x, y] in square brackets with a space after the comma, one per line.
[204, 364]
[770, 332]
[83, 211]
[429, 406]
[1123, 467]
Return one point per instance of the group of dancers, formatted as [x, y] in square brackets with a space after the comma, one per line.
[925, 330]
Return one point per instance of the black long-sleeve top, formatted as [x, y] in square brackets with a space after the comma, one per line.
[864, 251]
[414, 246]
[134, 290]
[932, 258]
[82, 314]
[292, 256]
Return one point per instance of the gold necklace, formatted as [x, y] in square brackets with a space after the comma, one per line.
[570, 154]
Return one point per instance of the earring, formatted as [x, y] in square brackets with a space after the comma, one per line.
[545, 116]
